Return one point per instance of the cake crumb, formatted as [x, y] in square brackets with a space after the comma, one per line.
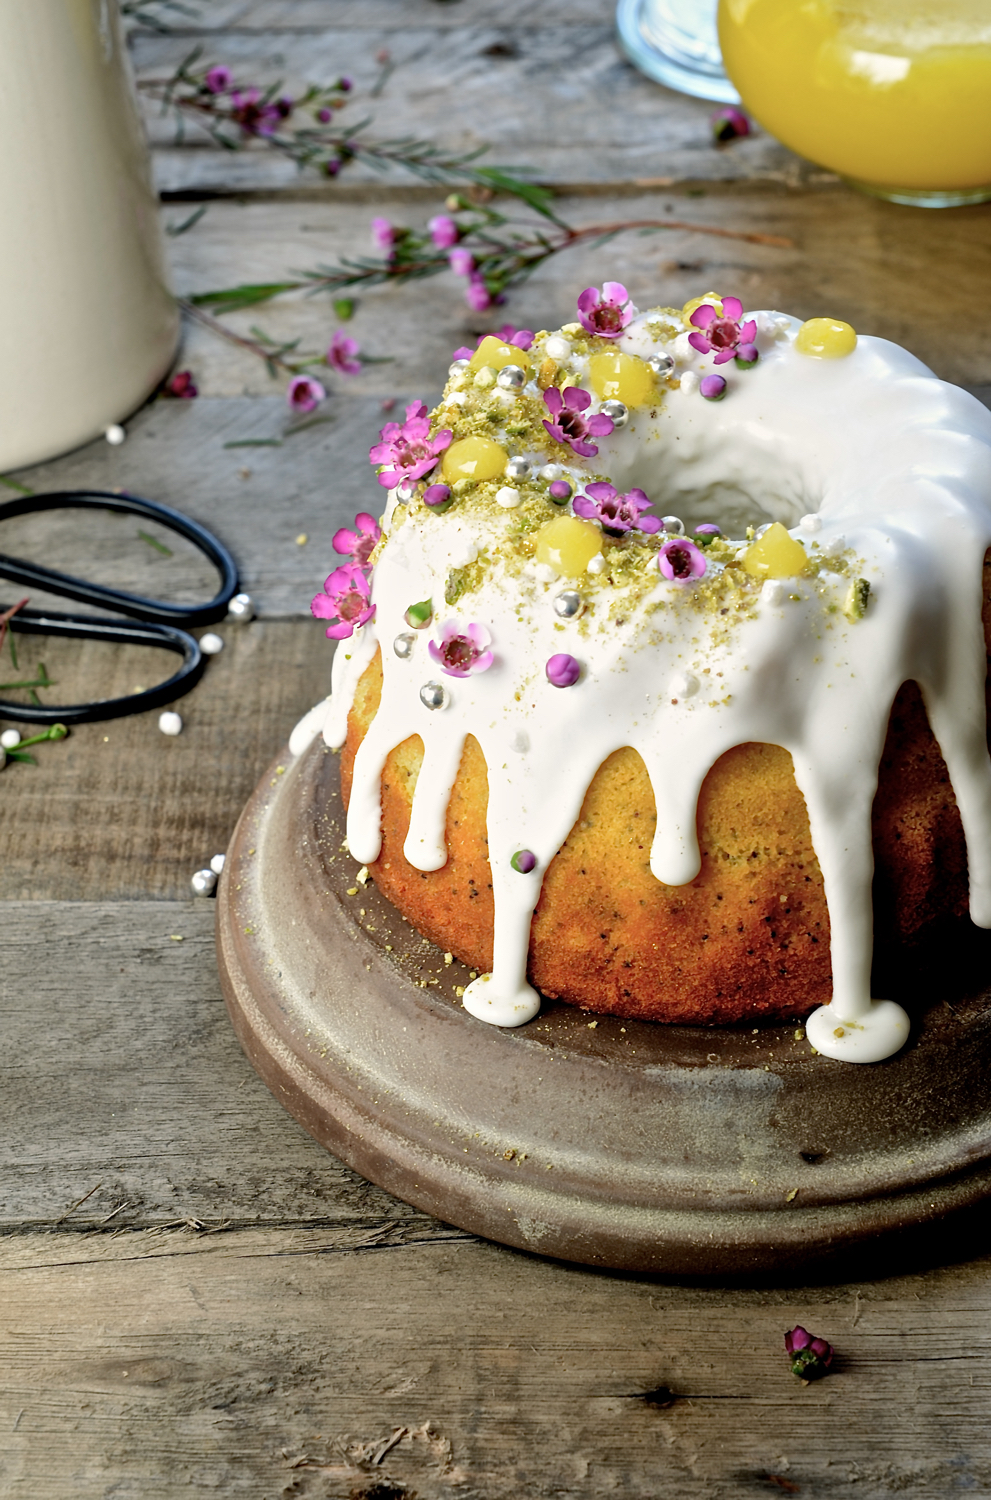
[449, 958]
[362, 876]
[352, 890]
[790, 1197]
[592, 1025]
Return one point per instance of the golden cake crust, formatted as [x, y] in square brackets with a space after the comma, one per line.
[748, 939]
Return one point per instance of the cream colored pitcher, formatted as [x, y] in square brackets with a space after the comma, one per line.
[87, 324]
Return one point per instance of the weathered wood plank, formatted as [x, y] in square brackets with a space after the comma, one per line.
[559, 98]
[260, 1363]
[121, 1073]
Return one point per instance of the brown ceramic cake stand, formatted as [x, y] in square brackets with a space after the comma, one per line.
[619, 1144]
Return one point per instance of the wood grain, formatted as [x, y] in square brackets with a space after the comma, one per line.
[268, 1363]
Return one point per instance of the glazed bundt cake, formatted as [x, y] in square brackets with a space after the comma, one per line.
[668, 657]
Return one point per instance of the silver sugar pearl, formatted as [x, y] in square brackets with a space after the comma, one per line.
[569, 604]
[660, 364]
[617, 411]
[403, 646]
[458, 367]
[518, 467]
[405, 490]
[673, 524]
[204, 882]
[433, 695]
[511, 378]
[241, 609]
[761, 530]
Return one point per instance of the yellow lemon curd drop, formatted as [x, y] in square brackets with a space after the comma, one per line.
[621, 377]
[775, 555]
[493, 352]
[825, 338]
[568, 545]
[473, 458]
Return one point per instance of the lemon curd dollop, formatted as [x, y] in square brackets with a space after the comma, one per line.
[825, 338]
[496, 354]
[568, 545]
[775, 555]
[473, 458]
[622, 377]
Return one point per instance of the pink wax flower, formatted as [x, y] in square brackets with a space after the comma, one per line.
[360, 543]
[443, 231]
[345, 601]
[325, 115]
[218, 79]
[617, 513]
[606, 315]
[183, 386]
[569, 425]
[723, 332]
[408, 451]
[304, 394]
[681, 560]
[254, 116]
[728, 122]
[461, 650]
[810, 1357]
[562, 670]
[712, 387]
[383, 235]
[461, 261]
[342, 354]
[521, 337]
[477, 294]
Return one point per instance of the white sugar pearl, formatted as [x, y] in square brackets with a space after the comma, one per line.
[217, 863]
[211, 644]
[597, 564]
[545, 573]
[519, 741]
[456, 398]
[115, 434]
[834, 547]
[507, 497]
[689, 382]
[10, 738]
[811, 523]
[170, 723]
[557, 347]
[774, 591]
[683, 685]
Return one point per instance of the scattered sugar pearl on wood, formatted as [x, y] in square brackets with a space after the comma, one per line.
[170, 723]
[114, 434]
[217, 863]
[241, 609]
[204, 882]
[211, 644]
[10, 739]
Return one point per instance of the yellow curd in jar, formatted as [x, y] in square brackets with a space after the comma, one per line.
[893, 93]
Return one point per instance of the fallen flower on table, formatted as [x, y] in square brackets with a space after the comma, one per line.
[810, 1357]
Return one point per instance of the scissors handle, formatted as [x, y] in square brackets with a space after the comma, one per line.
[166, 637]
[157, 611]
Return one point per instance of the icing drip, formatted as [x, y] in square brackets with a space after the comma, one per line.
[874, 457]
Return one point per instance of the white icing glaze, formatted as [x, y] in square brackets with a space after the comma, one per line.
[872, 454]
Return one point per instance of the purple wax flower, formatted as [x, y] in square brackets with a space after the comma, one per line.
[712, 387]
[254, 116]
[332, 167]
[304, 394]
[408, 451]
[461, 650]
[607, 314]
[560, 491]
[183, 386]
[708, 528]
[728, 122]
[461, 261]
[443, 231]
[383, 236]
[477, 294]
[563, 670]
[345, 601]
[463, 353]
[218, 79]
[569, 425]
[360, 543]
[746, 356]
[342, 354]
[810, 1357]
[723, 331]
[617, 513]
[325, 115]
[521, 337]
[437, 495]
[681, 560]
[345, 85]
[523, 861]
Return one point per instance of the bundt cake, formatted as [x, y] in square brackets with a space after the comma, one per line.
[669, 648]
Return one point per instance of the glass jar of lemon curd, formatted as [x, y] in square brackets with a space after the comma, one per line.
[895, 95]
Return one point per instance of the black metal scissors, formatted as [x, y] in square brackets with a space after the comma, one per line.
[151, 622]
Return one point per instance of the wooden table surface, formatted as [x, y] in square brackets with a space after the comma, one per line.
[196, 1299]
